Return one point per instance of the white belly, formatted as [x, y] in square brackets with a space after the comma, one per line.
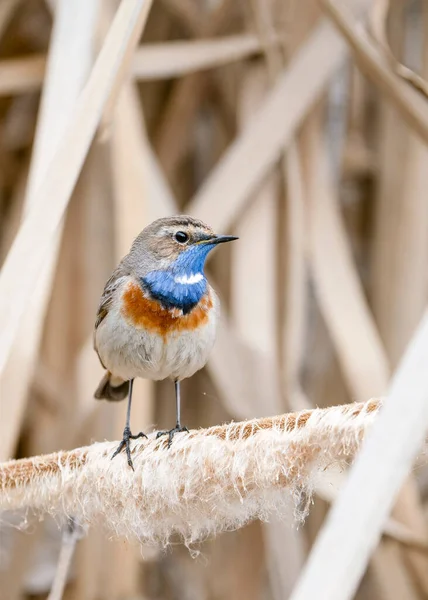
[128, 352]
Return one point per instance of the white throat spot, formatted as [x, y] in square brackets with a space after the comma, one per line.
[189, 279]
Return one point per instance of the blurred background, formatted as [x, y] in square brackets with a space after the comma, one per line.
[301, 127]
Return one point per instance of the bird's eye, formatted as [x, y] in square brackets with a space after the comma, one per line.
[181, 237]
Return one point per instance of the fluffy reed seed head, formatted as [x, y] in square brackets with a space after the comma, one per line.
[210, 480]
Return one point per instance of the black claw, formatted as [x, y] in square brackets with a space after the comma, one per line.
[125, 444]
[128, 454]
[138, 435]
[171, 433]
[119, 449]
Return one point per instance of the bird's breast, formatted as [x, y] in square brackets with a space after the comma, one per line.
[148, 314]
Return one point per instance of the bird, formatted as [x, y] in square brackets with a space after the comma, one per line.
[158, 314]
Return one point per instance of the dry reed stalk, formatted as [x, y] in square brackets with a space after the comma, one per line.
[25, 74]
[273, 126]
[71, 535]
[347, 315]
[209, 480]
[124, 71]
[247, 304]
[399, 285]
[288, 290]
[51, 134]
[259, 307]
[289, 274]
[92, 419]
[131, 208]
[150, 61]
[344, 307]
[378, 23]
[67, 69]
[11, 412]
[350, 534]
[288, 360]
[410, 103]
[174, 59]
[172, 139]
[295, 303]
[242, 374]
[33, 241]
[283, 181]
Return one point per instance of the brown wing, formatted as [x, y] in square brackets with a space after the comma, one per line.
[107, 297]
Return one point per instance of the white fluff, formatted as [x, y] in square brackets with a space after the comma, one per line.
[207, 482]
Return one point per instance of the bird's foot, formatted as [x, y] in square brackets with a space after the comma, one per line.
[171, 433]
[127, 435]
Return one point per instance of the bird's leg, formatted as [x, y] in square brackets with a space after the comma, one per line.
[127, 431]
[177, 404]
[178, 427]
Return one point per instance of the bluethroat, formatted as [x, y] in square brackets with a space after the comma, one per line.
[158, 314]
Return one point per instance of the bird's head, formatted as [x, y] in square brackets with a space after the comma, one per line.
[169, 257]
[178, 243]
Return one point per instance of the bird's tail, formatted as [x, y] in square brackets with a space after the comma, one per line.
[111, 388]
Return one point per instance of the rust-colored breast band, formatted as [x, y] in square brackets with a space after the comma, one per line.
[144, 313]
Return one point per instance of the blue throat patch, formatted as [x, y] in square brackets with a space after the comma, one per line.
[163, 286]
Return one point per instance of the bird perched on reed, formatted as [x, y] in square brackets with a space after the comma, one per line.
[158, 314]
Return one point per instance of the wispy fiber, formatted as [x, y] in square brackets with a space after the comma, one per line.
[209, 481]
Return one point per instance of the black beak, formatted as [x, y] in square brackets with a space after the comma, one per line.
[220, 239]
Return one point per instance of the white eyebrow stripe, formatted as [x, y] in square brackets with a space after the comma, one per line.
[189, 279]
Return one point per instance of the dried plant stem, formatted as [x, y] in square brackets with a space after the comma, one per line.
[71, 535]
[378, 26]
[150, 61]
[210, 480]
[355, 522]
[67, 71]
[410, 103]
[32, 242]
